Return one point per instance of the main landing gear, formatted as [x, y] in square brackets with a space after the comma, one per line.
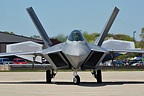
[49, 75]
[97, 74]
[76, 80]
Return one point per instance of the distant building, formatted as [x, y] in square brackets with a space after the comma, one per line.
[7, 38]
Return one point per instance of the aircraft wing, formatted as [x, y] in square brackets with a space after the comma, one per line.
[55, 56]
[127, 51]
[36, 53]
[50, 50]
[29, 55]
[16, 53]
[97, 48]
[117, 52]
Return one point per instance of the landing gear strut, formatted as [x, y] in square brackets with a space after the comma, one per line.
[49, 75]
[76, 79]
[97, 75]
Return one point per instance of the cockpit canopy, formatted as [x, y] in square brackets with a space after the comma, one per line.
[76, 35]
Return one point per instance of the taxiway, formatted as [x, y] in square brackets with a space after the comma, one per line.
[122, 83]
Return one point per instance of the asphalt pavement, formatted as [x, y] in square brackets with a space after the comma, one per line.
[115, 83]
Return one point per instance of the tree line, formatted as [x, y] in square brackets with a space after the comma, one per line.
[91, 37]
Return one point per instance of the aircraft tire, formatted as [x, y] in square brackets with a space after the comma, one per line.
[48, 76]
[99, 76]
[76, 80]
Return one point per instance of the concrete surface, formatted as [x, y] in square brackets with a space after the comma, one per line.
[115, 83]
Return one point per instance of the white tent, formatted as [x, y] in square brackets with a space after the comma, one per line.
[24, 47]
[118, 44]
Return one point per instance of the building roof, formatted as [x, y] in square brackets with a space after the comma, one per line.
[7, 38]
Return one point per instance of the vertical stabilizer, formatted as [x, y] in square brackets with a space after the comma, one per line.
[103, 34]
[39, 27]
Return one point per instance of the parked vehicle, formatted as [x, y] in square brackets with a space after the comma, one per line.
[5, 61]
[19, 61]
[118, 62]
[139, 63]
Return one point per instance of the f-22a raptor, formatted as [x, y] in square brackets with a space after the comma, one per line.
[73, 54]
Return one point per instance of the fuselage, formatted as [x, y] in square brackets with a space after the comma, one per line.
[75, 53]
[76, 49]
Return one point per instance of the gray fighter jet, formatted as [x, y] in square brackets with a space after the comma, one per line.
[73, 54]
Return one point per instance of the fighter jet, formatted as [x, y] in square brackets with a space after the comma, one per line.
[73, 54]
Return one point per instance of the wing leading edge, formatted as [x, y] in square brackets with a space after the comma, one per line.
[127, 51]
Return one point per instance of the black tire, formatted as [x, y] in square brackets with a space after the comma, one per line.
[48, 76]
[99, 76]
[76, 80]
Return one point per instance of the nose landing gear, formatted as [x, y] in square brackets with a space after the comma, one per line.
[76, 79]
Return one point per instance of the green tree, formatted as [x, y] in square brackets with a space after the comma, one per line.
[35, 36]
[142, 38]
[120, 37]
[61, 37]
[142, 34]
[93, 36]
[90, 37]
[9, 32]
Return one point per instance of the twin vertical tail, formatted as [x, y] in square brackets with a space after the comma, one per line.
[39, 27]
[46, 39]
[103, 34]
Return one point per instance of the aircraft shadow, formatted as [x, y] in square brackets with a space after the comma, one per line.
[95, 84]
[84, 84]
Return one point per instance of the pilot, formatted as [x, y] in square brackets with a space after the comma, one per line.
[76, 36]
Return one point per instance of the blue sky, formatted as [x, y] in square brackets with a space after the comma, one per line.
[63, 16]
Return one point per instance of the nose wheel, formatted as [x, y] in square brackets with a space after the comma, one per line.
[76, 80]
